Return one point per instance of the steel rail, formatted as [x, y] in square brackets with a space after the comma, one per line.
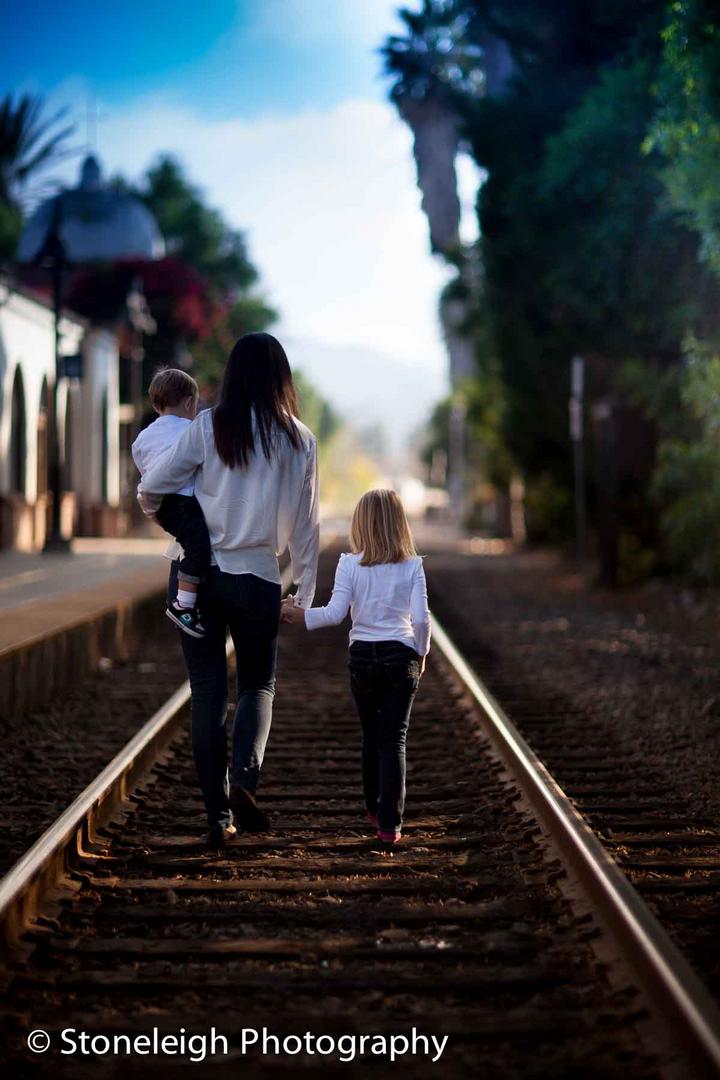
[44, 866]
[663, 972]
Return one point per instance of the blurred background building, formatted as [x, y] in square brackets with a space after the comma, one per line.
[89, 382]
[89, 423]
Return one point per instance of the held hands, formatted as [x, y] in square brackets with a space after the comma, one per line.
[289, 613]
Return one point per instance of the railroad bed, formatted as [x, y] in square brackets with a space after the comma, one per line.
[462, 931]
[52, 751]
[632, 792]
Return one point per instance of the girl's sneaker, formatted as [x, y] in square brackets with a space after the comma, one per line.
[390, 837]
[188, 619]
[373, 819]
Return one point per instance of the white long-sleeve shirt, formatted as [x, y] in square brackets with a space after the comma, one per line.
[387, 602]
[254, 513]
[155, 439]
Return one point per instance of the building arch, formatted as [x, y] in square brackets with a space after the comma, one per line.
[42, 441]
[18, 436]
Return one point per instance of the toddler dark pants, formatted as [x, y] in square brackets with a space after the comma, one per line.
[181, 516]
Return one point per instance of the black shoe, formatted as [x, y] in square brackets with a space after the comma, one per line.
[188, 619]
[246, 813]
[218, 834]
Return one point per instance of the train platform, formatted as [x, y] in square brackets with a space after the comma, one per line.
[42, 593]
[64, 614]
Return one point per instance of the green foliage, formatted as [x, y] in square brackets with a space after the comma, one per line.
[686, 129]
[637, 562]
[315, 410]
[435, 58]
[10, 227]
[687, 480]
[195, 231]
[549, 515]
[197, 235]
[590, 238]
[29, 142]
[624, 273]
[245, 315]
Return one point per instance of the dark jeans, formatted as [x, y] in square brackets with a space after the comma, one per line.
[181, 516]
[249, 607]
[384, 677]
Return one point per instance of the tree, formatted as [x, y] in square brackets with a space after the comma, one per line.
[687, 481]
[244, 315]
[194, 231]
[581, 249]
[316, 412]
[686, 127]
[29, 143]
[198, 236]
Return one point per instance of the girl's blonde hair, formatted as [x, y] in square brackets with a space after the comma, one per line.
[380, 529]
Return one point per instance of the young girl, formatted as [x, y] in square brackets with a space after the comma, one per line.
[383, 584]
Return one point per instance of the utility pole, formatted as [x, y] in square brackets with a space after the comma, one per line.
[577, 394]
[604, 421]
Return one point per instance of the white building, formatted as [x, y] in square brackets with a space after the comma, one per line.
[88, 418]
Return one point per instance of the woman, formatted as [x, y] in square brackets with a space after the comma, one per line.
[255, 471]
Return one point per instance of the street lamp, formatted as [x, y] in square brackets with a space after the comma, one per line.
[53, 258]
[89, 224]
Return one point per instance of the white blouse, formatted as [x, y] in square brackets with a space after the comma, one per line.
[253, 513]
[387, 602]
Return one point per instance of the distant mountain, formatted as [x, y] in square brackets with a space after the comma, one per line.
[369, 389]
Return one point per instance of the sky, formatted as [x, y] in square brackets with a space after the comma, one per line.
[278, 109]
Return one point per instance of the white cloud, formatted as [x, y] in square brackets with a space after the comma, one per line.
[316, 22]
[330, 206]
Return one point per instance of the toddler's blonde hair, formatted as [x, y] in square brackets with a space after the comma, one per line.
[380, 529]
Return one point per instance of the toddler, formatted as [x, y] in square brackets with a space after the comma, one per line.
[174, 397]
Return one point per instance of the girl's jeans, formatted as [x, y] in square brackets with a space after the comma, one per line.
[384, 677]
[249, 607]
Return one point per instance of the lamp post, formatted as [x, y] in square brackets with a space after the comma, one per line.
[90, 224]
[52, 256]
[140, 322]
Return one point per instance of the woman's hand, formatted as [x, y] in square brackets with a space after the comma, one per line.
[422, 664]
[289, 613]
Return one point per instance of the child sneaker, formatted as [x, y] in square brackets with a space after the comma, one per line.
[390, 837]
[188, 619]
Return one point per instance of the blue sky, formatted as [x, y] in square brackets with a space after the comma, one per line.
[279, 111]
[225, 57]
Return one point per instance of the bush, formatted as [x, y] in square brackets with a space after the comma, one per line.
[687, 476]
[637, 562]
[549, 511]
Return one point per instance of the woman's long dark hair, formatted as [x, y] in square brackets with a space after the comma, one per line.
[258, 382]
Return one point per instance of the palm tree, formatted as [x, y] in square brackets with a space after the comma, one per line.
[28, 142]
[429, 65]
[453, 50]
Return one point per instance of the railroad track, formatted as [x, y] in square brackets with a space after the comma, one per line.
[669, 852]
[478, 928]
